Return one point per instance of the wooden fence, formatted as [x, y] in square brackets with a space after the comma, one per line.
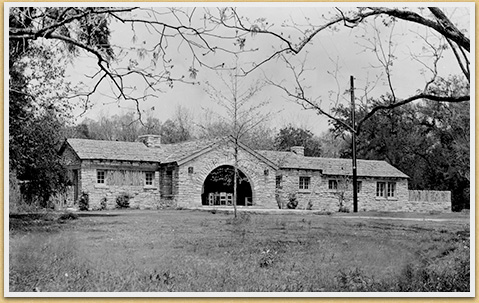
[430, 195]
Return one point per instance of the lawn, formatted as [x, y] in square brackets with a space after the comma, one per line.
[199, 251]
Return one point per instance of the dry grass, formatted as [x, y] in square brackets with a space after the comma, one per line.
[201, 251]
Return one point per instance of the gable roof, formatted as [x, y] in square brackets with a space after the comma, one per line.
[176, 152]
[334, 166]
[87, 149]
[186, 151]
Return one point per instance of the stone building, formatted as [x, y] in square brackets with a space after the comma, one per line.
[107, 169]
[199, 173]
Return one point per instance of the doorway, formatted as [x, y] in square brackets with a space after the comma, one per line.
[218, 188]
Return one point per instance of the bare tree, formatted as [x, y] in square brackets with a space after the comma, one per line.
[243, 113]
[202, 34]
[438, 35]
[86, 32]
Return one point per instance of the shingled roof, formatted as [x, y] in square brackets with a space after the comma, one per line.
[168, 153]
[333, 166]
[136, 151]
[112, 150]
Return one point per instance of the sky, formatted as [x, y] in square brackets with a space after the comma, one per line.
[330, 59]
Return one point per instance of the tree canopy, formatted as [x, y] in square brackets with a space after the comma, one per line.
[290, 136]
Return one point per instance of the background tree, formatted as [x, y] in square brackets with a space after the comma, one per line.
[180, 128]
[290, 136]
[428, 141]
[124, 127]
[332, 145]
[37, 110]
[260, 138]
[37, 162]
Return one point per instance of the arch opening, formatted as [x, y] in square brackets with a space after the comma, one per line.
[218, 188]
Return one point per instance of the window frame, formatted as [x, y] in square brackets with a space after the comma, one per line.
[304, 183]
[333, 184]
[279, 181]
[101, 175]
[149, 182]
[359, 186]
[381, 189]
[391, 190]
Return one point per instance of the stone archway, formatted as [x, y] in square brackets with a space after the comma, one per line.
[218, 188]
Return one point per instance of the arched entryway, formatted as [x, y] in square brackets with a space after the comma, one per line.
[218, 188]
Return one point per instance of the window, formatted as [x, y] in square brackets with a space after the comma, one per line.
[333, 184]
[380, 186]
[190, 170]
[278, 181]
[391, 189]
[100, 176]
[359, 185]
[304, 182]
[149, 177]
[386, 190]
[266, 172]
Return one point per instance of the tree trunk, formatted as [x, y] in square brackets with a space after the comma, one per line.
[235, 189]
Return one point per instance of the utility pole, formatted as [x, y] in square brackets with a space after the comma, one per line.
[355, 174]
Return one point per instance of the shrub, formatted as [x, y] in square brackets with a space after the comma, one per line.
[123, 200]
[103, 202]
[68, 216]
[83, 202]
[268, 258]
[293, 201]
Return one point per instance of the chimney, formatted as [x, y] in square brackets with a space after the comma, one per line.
[150, 140]
[298, 150]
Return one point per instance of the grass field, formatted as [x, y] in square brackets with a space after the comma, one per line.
[198, 251]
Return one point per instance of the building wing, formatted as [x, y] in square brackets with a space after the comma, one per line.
[333, 166]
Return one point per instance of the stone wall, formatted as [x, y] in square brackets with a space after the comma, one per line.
[373, 203]
[320, 197]
[192, 174]
[142, 196]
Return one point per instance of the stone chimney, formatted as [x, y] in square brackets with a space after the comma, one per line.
[150, 140]
[298, 150]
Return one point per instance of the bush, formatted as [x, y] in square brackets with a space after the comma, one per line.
[123, 200]
[293, 201]
[83, 202]
[68, 216]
